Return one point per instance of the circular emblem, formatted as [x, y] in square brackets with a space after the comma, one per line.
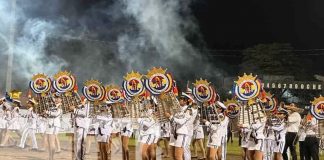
[63, 82]
[271, 102]
[247, 87]
[202, 91]
[93, 91]
[232, 108]
[158, 81]
[317, 108]
[114, 94]
[133, 85]
[40, 84]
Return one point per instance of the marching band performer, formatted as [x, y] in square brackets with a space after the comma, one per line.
[311, 143]
[301, 137]
[147, 127]
[31, 126]
[244, 134]
[279, 133]
[104, 131]
[41, 124]
[217, 133]
[256, 139]
[81, 125]
[3, 122]
[126, 133]
[13, 125]
[53, 124]
[269, 138]
[293, 122]
[115, 135]
[165, 138]
[198, 137]
[193, 111]
[179, 133]
[92, 131]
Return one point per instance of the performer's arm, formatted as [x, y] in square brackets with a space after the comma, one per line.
[81, 113]
[180, 121]
[55, 113]
[147, 123]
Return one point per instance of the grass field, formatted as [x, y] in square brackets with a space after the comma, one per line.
[233, 151]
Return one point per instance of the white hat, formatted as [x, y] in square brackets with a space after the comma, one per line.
[220, 104]
[188, 96]
[109, 102]
[189, 91]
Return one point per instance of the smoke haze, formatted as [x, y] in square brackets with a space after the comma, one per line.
[102, 39]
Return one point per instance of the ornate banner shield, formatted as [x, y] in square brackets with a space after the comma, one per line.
[114, 94]
[93, 90]
[158, 81]
[233, 109]
[133, 84]
[202, 91]
[247, 87]
[63, 82]
[40, 84]
[271, 102]
[317, 108]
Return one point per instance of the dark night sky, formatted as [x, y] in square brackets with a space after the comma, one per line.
[236, 24]
[240, 24]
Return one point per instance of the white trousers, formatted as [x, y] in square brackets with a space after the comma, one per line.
[80, 135]
[31, 132]
[187, 152]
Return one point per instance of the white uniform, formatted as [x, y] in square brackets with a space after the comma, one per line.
[217, 133]
[280, 138]
[198, 131]
[165, 130]
[179, 133]
[126, 127]
[214, 140]
[93, 127]
[3, 122]
[224, 127]
[53, 120]
[81, 126]
[245, 133]
[256, 139]
[105, 127]
[41, 125]
[187, 152]
[268, 143]
[116, 125]
[30, 129]
[147, 127]
[13, 120]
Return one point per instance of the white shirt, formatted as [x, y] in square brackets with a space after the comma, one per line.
[293, 122]
[81, 116]
[312, 128]
[191, 121]
[180, 121]
[53, 118]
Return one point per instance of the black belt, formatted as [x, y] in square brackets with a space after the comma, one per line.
[311, 136]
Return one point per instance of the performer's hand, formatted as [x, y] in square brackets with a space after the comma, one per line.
[281, 116]
[204, 120]
[166, 114]
[71, 108]
[240, 125]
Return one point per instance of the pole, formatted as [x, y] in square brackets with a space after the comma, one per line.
[11, 45]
